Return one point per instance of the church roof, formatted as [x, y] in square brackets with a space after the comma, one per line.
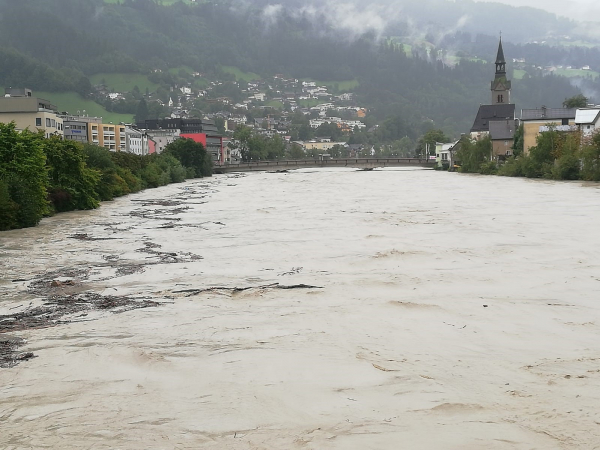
[500, 56]
[502, 129]
[490, 113]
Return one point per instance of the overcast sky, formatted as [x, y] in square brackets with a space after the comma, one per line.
[588, 10]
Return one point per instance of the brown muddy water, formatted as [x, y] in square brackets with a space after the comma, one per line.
[334, 309]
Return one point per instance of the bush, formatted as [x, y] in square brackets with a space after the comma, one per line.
[488, 168]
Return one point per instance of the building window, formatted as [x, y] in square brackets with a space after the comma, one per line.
[500, 98]
[47, 122]
[38, 121]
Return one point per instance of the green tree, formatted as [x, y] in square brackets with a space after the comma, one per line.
[242, 134]
[590, 158]
[23, 171]
[474, 154]
[220, 124]
[191, 155]
[518, 141]
[543, 154]
[71, 182]
[141, 112]
[296, 152]
[577, 101]
[428, 140]
[8, 208]
[275, 147]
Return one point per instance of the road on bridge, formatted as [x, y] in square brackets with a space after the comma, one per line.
[359, 163]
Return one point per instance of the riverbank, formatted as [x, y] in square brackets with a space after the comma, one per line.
[446, 312]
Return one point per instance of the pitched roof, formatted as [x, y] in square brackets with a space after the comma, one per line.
[490, 113]
[502, 129]
[548, 113]
[583, 116]
[500, 55]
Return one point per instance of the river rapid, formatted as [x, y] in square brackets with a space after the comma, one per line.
[421, 310]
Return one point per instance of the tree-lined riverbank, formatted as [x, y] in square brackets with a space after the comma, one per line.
[557, 155]
[41, 176]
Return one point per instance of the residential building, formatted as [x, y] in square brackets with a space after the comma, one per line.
[214, 141]
[136, 141]
[213, 145]
[184, 125]
[159, 139]
[29, 112]
[107, 135]
[321, 145]
[76, 127]
[536, 121]
[444, 153]
[588, 121]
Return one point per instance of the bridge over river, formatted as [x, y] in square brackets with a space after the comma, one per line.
[359, 163]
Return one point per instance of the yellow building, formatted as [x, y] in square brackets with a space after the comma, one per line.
[536, 121]
[108, 136]
[321, 145]
[29, 112]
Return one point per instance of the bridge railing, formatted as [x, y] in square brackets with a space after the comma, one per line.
[289, 163]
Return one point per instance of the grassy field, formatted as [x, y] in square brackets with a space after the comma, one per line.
[573, 73]
[124, 82]
[518, 74]
[342, 86]
[239, 75]
[186, 69]
[275, 104]
[309, 103]
[73, 102]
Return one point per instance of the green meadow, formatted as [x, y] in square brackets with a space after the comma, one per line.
[240, 75]
[124, 82]
[72, 102]
[576, 73]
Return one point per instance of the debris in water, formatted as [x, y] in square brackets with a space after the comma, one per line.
[236, 289]
[9, 354]
[56, 308]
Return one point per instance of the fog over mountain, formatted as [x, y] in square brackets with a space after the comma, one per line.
[584, 10]
[520, 22]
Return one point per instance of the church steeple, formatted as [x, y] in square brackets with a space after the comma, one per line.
[500, 85]
[500, 62]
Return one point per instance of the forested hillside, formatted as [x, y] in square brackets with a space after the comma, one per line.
[58, 45]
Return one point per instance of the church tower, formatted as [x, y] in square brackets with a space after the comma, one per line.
[500, 85]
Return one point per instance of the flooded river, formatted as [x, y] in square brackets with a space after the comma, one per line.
[335, 309]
